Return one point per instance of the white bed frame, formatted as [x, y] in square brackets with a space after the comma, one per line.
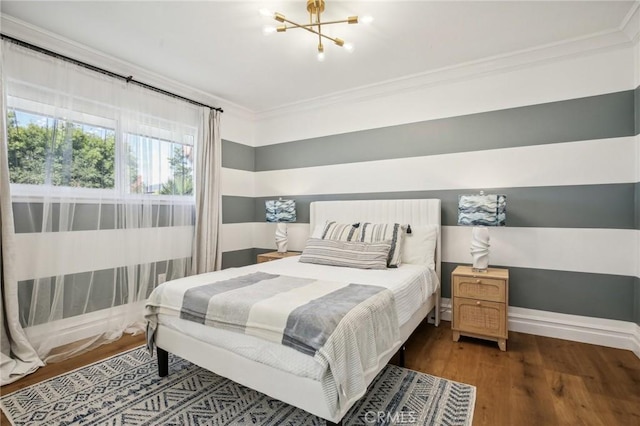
[302, 392]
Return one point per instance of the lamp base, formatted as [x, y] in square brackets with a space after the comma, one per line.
[480, 248]
[281, 237]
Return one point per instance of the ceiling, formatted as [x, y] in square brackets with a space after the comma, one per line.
[218, 46]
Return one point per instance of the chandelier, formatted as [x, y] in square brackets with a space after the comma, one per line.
[315, 9]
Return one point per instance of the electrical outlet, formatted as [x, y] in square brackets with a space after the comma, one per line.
[162, 278]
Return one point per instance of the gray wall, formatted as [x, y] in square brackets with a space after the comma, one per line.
[613, 206]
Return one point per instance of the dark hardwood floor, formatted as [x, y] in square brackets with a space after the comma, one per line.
[538, 381]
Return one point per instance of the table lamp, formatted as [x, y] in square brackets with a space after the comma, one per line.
[281, 212]
[481, 211]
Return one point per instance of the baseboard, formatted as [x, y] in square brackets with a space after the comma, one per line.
[596, 331]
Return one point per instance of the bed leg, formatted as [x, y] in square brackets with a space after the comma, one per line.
[401, 352]
[163, 362]
[334, 424]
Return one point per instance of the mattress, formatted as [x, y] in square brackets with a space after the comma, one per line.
[411, 285]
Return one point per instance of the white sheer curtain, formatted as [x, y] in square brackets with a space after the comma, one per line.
[101, 189]
[17, 356]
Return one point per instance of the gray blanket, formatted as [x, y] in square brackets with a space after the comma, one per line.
[347, 327]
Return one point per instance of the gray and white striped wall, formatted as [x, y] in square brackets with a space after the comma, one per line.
[560, 137]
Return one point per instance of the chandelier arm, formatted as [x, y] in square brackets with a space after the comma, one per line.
[308, 28]
[327, 37]
[305, 26]
[314, 32]
[343, 21]
[296, 25]
[319, 28]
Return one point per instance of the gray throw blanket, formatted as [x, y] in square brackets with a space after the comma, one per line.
[347, 327]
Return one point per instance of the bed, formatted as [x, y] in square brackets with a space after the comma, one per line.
[291, 375]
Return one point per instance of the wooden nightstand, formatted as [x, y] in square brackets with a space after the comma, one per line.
[274, 255]
[480, 303]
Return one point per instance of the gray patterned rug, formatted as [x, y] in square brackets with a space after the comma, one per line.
[126, 390]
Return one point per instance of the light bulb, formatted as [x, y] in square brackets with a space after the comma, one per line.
[349, 47]
[268, 29]
[367, 19]
[321, 56]
[266, 12]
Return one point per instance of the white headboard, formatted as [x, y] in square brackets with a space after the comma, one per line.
[413, 212]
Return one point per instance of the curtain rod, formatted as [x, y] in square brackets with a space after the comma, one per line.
[128, 79]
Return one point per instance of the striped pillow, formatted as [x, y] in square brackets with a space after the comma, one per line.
[341, 231]
[350, 254]
[374, 232]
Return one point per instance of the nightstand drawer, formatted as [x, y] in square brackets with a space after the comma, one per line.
[480, 316]
[480, 288]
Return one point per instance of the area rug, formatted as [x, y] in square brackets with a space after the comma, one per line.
[126, 390]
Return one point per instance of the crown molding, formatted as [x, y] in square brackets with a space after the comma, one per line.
[631, 23]
[554, 52]
[40, 37]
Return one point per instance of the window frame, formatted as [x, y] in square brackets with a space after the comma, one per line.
[119, 193]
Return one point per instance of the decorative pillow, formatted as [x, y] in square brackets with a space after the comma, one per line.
[351, 254]
[374, 232]
[419, 246]
[341, 231]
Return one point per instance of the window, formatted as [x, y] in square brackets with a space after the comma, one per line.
[45, 150]
[157, 166]
[54, 150]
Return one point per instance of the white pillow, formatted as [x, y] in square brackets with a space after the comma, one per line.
[419, 247]
[318, 230]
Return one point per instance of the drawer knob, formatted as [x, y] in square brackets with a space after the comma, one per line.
[478, 281]
[478, 303]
